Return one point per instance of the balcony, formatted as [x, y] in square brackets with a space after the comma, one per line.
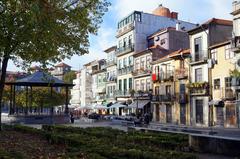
[199, 89]
[224, 93]
[124, 50]
[181, 73]
[112, 79]
[120, 93]
[142, 72]
[125, 70]
[235, 44]
[125, 29]
[199, 57]
[111, 63]
[111, 96]
[163, 77]
[163, 98]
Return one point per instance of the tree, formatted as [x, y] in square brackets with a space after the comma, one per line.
[69, 77]
[46, 31]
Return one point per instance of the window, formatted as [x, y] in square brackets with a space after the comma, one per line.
[182, 64]
[199, 111]
[168, 90]
[125, 84]
[157, 90]
[125, 62]
[142, 85]
[137, 85]
[214, 54]
[198, 75]
[163, 41]
[120, 44]
[142, 63]
[119, 64]
[228, 82]
[198, 48]
[137, 64]
[125, 42]
[120, 85]
[228, 53]
[216, 83]
[148, 85]
[130, 83]
[138, 17]
[130, 40]
[130, 60]
[149, 59]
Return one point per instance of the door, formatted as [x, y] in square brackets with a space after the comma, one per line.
[157, 112]
[219, 116]
[231, 119]
[169, 113]
[183, 114]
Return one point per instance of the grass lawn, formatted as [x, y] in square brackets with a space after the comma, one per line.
[90, 143]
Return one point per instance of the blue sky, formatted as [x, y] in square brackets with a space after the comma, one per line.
[195, 11]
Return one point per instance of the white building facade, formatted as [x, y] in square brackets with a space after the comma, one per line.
[132, 34]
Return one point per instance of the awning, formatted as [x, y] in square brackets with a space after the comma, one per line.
[140, 104]
[118, 105]
[99, 106]
[216, 103]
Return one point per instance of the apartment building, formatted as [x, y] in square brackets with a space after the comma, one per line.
[60, 69]
[160, 44]
[98, 81]
[212, 32]
[132, 33]
[236, 28]
[163, 90]
[111, 77]
[223, 108]
[76, 91]
[181, 80]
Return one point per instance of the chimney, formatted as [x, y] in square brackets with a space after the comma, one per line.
[178, 26]
[174, 15]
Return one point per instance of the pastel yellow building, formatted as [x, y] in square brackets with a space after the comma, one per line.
[223, 110]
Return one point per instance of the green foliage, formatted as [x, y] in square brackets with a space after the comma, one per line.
[40, 97]
[48, 30]
[103, 143]
[235, 73]
[69, 77]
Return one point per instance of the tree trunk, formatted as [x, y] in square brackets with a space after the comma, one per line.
[2, 82]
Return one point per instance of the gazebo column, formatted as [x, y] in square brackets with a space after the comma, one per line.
[51, 94]
[66, 102]
[26, 108]
[30, 102]
[14, 99]
[11, 101]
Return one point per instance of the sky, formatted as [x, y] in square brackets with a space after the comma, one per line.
[195, 11]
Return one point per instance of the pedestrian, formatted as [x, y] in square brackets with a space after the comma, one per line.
[71, 118]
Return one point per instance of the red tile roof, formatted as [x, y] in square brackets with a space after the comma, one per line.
[179, 52]
[219, 21]
[62, 65]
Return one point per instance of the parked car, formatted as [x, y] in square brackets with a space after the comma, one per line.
[94, 116]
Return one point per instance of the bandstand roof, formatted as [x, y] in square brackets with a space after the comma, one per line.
[41, 79]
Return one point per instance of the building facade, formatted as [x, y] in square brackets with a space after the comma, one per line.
[60, 69]
[111, 76]
[132, 33]
[212, 32]
[223, 107]
[75, 91]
